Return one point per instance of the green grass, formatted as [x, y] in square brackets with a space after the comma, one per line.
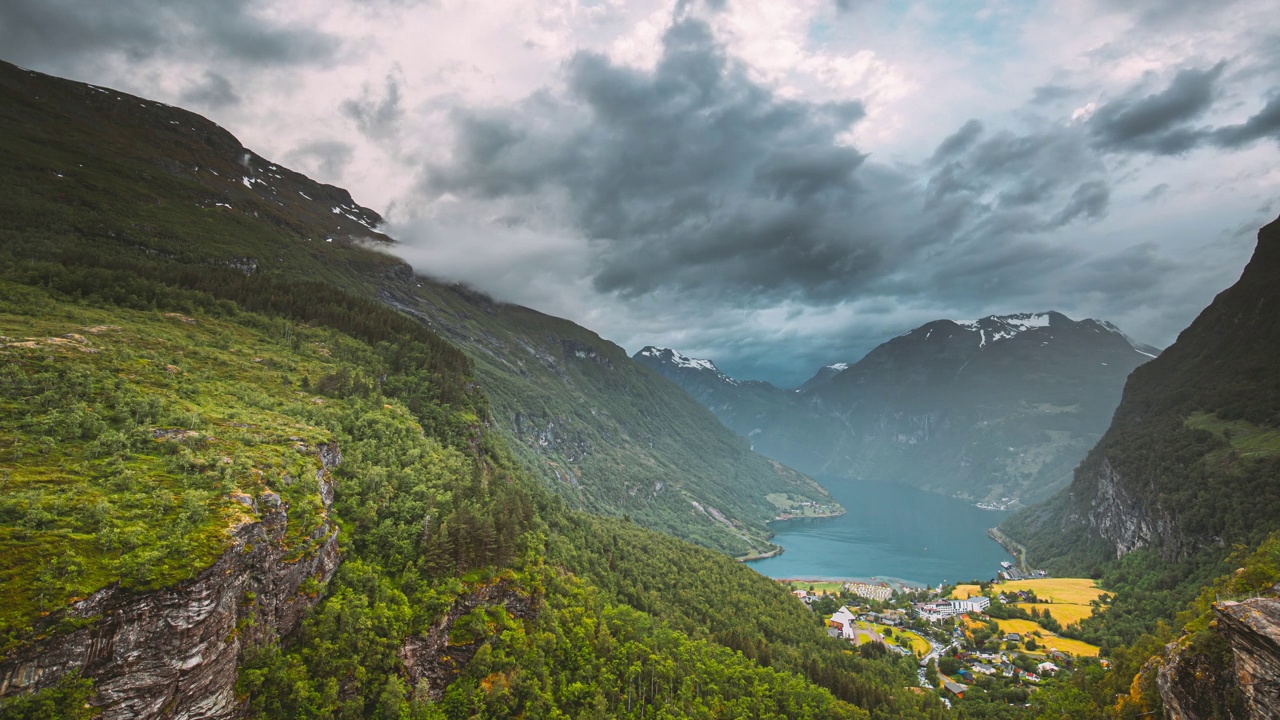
[124, 436]
[1246, 438]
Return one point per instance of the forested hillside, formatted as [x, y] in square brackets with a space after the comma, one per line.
[1190, 462]
[1185, 479]
[95, 171]
[223, 459]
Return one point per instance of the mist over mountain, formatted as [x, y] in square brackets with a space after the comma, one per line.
[996, 410]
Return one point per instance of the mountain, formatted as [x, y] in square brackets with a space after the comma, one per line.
[131, 175]
[997, 410]
[235, 481]
[1192, 457]
[608, 435]
[1177, 511]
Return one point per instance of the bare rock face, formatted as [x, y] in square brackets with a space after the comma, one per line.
[1253, 629]
[173, 653]
[1129, 524]
[435, 660]
[1232, 671]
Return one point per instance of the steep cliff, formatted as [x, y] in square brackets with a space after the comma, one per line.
[174, 653]
[1191, 456]
[1229, 670]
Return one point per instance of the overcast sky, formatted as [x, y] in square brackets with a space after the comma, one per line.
[773, 185]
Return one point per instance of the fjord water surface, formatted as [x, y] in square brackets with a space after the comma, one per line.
[890, 531]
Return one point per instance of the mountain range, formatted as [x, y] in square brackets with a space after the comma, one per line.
[998, 410]
[251, 465]
[246, 470]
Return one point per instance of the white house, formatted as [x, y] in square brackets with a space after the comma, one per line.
[977, 603]
[843, 619]
[935, 611]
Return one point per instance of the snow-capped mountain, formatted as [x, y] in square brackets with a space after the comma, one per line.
[656, 356]
[1000, 407]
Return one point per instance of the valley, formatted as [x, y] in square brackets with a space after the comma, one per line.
[996, 412]
[253, 465]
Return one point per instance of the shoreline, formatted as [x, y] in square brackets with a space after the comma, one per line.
[787, 516]
[1015, 549]
[761, 556]
[897, 584]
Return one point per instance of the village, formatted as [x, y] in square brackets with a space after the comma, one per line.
[995, 641]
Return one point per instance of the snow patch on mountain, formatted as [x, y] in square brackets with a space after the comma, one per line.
[673, 357]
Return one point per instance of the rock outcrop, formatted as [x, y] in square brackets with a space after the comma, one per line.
[1230, 671]
[1253, 629]
[435, 660]
[173, 653]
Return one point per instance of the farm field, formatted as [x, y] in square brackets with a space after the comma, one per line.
[919, 645]
[821, 587]
[1048, 639]
[1071, 591]
[1065, 613]
[1074, 591]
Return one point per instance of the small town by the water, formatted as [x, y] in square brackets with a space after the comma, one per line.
[1006, 634]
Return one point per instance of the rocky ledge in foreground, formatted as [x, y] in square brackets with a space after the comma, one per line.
[173, 652]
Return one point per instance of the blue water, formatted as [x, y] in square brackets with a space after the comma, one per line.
[890, 532]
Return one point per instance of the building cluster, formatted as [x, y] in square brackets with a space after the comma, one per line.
[936, 610]
[993, 664]
[879, 591]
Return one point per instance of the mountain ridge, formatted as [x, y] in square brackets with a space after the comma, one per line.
[137, 176]
[937, 376]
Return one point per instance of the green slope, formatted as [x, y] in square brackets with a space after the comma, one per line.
[114, 267]
[91, 171]
[606, 433]
[1188, 469]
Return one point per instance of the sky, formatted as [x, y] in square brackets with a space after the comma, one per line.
[772, 185]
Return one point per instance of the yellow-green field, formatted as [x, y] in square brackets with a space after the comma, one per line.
[1048, 639]
[1065, 613]
[819, 587]
[918, 644]
[1073, 591]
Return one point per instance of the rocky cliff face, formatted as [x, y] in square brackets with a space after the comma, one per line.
[173, 653]
[1128, 522]
[436, 659]
[1232, 671]
[1253, 629]
[1189, 460]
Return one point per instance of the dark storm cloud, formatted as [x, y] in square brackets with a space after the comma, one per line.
[214, 91]
[378, 118]
[1266, 124]
[325, 159]
[1046, 94]
[957, 142]
[1090, 200]
[1155, 193]
[63, 33]
[1140, 276]
[694, 180]
[680, 173]
[1157, 123]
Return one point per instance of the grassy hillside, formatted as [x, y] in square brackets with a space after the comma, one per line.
[609, 435]
[91, 175]
[157, 370]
